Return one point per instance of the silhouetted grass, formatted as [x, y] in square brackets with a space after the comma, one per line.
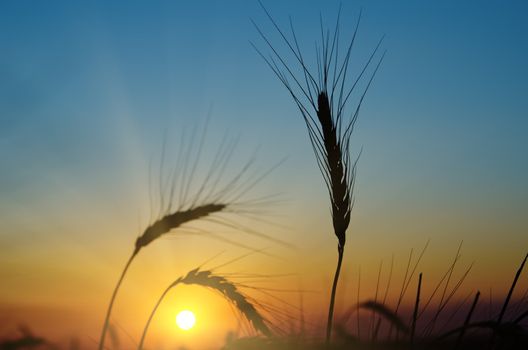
[494, 334]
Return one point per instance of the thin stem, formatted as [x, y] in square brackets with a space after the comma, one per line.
[112, 299]
[521, 317]
[466, 322]
[416, 307]
[510, 292]
[140, 346]
[508, 297]
[340, 250]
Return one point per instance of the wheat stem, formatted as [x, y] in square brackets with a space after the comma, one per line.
[340, 251]
[321, 101]
[415, 313]
[466, 322]
[112, 299]
[153, 232]
[144, 334]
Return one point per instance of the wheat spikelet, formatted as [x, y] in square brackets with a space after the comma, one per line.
[221, 284]
[172, 221]
[198, 198]
[222, 201]
[199, 192]
[321, 99]
[153, 232]
[229, 290]
[339, 188]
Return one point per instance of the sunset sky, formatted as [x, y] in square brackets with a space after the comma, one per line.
[89, 91]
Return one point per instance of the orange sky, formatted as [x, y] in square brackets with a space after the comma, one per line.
[71, 239]
[61, 289]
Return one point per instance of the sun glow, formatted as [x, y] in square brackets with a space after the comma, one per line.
[185, 320]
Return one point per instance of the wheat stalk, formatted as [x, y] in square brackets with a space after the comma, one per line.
[220, 200]
[220, 284]
[154, 231]
[321, 99]
[198, 201]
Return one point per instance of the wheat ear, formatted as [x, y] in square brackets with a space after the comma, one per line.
[321, 99]
[218, 283]
[154, 231]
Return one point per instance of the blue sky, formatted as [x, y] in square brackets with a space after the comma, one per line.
[454, 76]
[447, 105]
[88, 87]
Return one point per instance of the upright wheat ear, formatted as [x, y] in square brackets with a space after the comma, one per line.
[321, 101]
[339, 187]
[157, 229]
[219, 283]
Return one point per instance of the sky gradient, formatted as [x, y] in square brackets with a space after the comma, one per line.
[89, 91]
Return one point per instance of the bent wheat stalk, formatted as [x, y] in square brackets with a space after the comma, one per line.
[218, 283]
[157, 229]
[321, 99]
[199, 197]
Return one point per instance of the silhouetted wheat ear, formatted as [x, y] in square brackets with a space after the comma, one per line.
[175, 220]
[153, 232]
[339, 188]
[227, 288]
[325, 92]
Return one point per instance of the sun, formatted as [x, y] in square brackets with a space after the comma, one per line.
[185, 320]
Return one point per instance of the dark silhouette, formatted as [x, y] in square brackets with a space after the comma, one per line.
[322, 100]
